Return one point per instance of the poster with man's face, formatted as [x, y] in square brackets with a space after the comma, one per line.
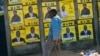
[46, 7]
[68, 31]
[15, 14]
[85, 9]
[18, 37]
[32, 34]
[30, 11]
[67, 9]
[85, 29]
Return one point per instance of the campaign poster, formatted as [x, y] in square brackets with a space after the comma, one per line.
[46, 28]
[1, 9]
[32, 34]
[12, 2]
[67, 11]
[68, 31]
[30, 11]
[85, 29]
[46, 7]
[15, 14]
[18, 37]
[85, 9]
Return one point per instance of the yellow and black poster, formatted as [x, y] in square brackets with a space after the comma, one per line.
[15, 14]
[85, 29]
[67, 11]
[32, 34]
[30, 11]
[85, 9]
[47, 6]
[18, 35]
[68, 31]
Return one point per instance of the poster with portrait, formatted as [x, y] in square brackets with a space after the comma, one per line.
[18, 37]
[85, 9]
[46, 28]
[67, 11]
[15, 15]
[85, 29]
[32, 34]
[68, 31]
[47, 6]
[1, 9]
[12, 2]
[30, 11]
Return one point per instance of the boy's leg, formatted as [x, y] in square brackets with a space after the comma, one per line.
[57, 47]
[48, 46]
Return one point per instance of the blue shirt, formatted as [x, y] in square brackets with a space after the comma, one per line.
[55, 28]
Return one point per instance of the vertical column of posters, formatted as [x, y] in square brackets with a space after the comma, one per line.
[31, 21]
[46, 7]
[68, 31]
[16, 22]
[85, 29]
[67, 9]
[85, 9]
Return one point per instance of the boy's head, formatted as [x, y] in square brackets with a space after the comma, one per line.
[52, 13]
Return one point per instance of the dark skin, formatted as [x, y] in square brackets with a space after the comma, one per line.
[15, 13]
[30, 9]
[84, 6]
[32, 29]
[18, 34]
[68, 30]
[85, 27]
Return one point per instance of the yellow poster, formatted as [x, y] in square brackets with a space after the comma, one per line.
[67, 11]
[12, 2]
[47, 6]
[46, 28]
[30, 12]
[85, 29]
[15, 14]
[85, 9]
[32, 34]
[68, 31]
[18, 37]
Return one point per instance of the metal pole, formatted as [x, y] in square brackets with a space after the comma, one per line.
[76, 17]
[7, 28]
[76, 9]
[96, 21]
[41, 25]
